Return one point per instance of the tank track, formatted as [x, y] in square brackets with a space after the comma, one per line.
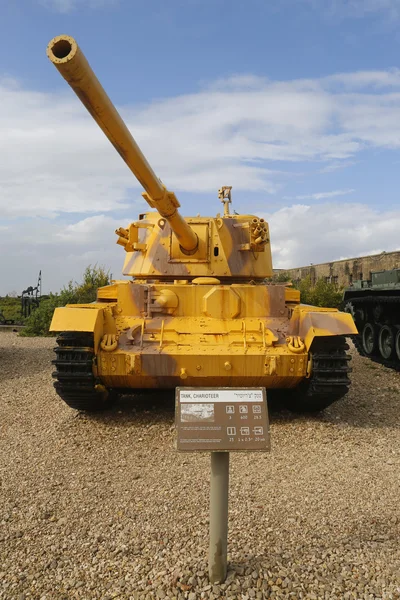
[329, 379]
[377, 358]
[75, 382]
[356, 339]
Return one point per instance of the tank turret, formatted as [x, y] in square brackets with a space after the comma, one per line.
[164, 245]
[199, 309]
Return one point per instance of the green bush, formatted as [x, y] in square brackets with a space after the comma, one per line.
[11, 308]
[321, 294]
[281, 277]
[38, 323]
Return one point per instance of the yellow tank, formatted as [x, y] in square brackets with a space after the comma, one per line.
[196, 309]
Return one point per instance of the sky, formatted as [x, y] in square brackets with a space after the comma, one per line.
[296, 104]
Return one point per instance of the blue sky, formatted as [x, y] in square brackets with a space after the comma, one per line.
[296, 104]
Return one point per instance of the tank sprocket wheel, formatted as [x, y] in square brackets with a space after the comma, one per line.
[349, 308]
[358, 318]
[356, 311]
[329, 379]
[75, 381]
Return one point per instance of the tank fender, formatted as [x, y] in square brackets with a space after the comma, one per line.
[311, 322]
[86, 319]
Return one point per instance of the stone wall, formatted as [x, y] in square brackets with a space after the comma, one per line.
[343, 272]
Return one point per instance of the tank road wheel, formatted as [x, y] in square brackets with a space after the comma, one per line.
[329, 379]
[75, 382]
[369, 339]
[386, 342]
[397, 344]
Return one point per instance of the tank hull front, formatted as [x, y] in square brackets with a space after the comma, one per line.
[164, 335]
[207, 366]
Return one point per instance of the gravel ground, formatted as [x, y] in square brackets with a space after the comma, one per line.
[104, 507]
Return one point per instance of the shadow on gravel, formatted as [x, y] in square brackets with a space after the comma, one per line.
[156, 406]
[144, 407]
[17, 361]
[363, 413]
[375, 532]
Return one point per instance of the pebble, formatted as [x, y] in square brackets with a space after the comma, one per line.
[102, 506]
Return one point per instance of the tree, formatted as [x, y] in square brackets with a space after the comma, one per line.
[281, 277]
[11, 308]
[38, 323]
[323, 293]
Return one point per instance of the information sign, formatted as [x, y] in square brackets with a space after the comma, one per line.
[222, 419]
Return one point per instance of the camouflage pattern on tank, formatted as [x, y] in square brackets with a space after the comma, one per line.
[198, 310]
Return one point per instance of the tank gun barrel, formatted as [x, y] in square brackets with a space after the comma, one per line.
[67, 57]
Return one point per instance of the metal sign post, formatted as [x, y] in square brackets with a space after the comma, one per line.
[221, 420]
[219, 492]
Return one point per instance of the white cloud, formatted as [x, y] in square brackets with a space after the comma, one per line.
[88, 229]
[61, 251]
[337, 166]
[387, 9]
[360, 79]
[246, 131]
[303, 234]
[53, 158]
[67, 6]
[320, 195]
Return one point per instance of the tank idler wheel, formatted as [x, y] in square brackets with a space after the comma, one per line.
[369, 339]
[386, 342]
[397, 344]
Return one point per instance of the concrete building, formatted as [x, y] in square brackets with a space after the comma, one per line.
[343, 272]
